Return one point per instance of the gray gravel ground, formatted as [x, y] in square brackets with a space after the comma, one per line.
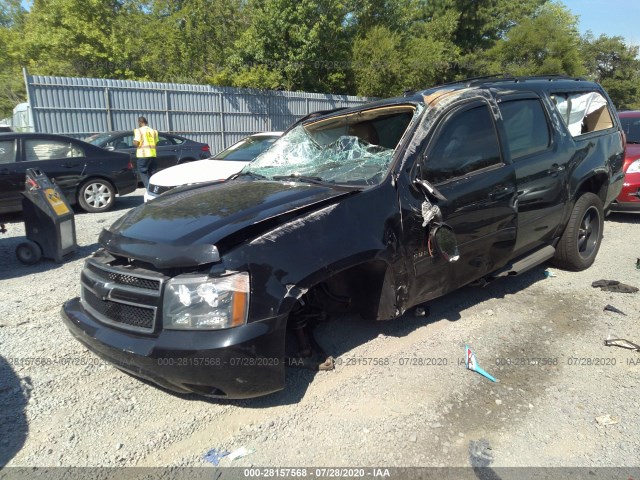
[398, 397]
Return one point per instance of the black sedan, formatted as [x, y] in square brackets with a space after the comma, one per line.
[88, 175]
[170, 150]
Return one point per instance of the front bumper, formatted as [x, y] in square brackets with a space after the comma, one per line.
[241, 362]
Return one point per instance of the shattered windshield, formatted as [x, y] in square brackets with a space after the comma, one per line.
[355, 148]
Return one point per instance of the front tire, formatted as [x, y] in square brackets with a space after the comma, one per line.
[96, 195]
[582, 236]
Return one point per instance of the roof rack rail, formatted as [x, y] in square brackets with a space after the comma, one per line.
[507, 77]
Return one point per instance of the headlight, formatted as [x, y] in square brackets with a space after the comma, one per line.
[203, 303]
[634, 167]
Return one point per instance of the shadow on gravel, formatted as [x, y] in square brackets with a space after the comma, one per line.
[628, 218]
[10, 267]
[14, 397]
[341, 335]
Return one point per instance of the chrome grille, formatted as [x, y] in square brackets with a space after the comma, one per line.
[126, 278]
[123, 297]
[126, 315]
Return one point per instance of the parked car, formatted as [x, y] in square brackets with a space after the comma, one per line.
[629, 198]
[171, 149]
[217, 168]
[88, 175]
[376, 209]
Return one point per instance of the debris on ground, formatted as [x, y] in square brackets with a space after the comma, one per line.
[480, 453]
[550, 274]
[214, 456]
[611, 308]
[622, 343]
[608, 420]
[472, 363]
[239, 453]
[328, 364]
[613, 286]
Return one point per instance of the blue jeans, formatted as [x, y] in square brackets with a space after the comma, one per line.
[144, 169]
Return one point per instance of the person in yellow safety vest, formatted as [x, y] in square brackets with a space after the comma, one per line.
[145, 140]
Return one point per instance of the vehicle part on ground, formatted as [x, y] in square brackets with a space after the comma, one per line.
[611, 308]
[96, 195]
[614, 286]
[622, 343]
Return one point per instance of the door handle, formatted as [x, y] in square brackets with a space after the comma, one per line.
[555, 168]
[501, 192]
[69, 165]
[5, 171]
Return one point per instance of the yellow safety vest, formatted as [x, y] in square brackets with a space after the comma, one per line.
[147, 139]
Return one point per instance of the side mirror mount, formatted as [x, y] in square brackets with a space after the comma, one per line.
[445, 243]
[429, 190]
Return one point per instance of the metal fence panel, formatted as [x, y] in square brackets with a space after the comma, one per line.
[219, 116]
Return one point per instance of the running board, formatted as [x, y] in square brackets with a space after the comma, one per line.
[528, 262]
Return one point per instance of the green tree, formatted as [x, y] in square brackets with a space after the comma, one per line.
[615, 65]
[72, 37]
[386, 63]
[300, 45]
[12, 89]
[482, 23]
[548, 43]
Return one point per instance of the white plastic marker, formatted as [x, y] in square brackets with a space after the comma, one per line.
[472, 363]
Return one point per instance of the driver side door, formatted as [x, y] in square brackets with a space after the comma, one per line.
[463, 160]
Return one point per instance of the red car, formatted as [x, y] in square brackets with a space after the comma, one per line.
[629, 198]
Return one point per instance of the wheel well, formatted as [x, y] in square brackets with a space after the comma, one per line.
[356, 289]
[595, 184]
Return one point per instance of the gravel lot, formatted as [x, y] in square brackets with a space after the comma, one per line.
[79, 411]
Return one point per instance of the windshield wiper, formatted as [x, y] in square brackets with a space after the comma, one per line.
[300, 178]
[247, 174]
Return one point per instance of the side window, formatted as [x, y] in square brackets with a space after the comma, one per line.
[121, 143]
[164, 141]
[526, 126]
[177, 141]
[36, 150]
[467, 143]
[583, 112]
[7, 151]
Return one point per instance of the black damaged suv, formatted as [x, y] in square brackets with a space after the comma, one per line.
[375, 209]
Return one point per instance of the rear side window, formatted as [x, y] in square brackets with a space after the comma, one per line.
[467, 143]
[36, 150]
[526, 126]
[7, 151]
[583, 112]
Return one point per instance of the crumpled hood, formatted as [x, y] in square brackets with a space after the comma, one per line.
[189, 222]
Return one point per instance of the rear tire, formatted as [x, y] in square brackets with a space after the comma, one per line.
[582, 236]
[96, 195]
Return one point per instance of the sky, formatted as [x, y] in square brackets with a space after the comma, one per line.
[611, 17]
